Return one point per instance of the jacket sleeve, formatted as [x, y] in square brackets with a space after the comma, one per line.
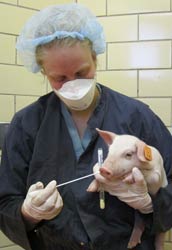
[159, 137]
[16, 154]
[162, 201]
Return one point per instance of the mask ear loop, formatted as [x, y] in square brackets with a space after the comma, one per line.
[95, 77]
[45, 80]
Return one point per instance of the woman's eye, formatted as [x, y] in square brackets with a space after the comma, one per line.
[82, 74]
[60, 80]
[79, 75]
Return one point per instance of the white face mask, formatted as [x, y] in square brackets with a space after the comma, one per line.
[77, 94]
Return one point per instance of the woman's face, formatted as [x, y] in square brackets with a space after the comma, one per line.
[62, 64]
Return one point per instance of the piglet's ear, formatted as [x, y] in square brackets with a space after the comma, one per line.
[107, 136]
[144, 152]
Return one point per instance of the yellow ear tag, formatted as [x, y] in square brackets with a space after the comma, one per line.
[148, 153]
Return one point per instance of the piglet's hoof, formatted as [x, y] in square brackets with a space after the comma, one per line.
[132, 244]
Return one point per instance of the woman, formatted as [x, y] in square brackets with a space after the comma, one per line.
[54, 140]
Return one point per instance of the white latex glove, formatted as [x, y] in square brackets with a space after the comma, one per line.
[42, 203]
[132, 189]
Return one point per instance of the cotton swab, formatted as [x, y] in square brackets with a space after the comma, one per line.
[78, 179]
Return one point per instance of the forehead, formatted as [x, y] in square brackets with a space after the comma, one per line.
[123, 143]
[64, 58]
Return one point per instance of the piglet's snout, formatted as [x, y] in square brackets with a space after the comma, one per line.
[107, 173]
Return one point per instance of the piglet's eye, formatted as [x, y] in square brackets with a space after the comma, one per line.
[128, 155]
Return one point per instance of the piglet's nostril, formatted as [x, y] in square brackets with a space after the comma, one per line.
[105, 172]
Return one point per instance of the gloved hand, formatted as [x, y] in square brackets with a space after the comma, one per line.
[42, 203]
[132, 189]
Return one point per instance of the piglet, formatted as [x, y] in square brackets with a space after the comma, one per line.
[126, 152]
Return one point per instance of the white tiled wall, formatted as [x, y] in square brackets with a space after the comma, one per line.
[137, 62]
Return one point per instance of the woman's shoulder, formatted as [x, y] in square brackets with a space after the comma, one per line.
[123, 100]
[36, 108]
[31, 116]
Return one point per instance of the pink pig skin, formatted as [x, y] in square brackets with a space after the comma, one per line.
[126, 152]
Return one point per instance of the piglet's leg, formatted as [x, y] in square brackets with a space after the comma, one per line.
[138, 229]
[159, 241]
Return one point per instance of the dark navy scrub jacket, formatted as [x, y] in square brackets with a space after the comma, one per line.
[38, 147]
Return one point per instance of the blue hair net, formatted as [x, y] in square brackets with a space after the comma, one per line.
[58, 21]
